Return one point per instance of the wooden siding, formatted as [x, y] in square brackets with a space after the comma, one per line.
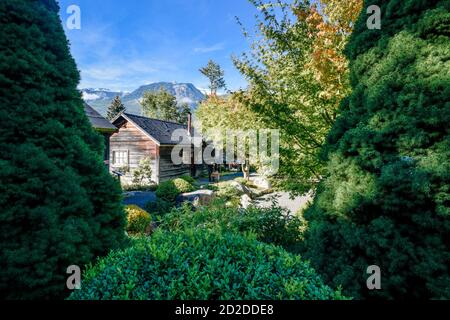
[129, 138]
[167, 170]
[139, 145]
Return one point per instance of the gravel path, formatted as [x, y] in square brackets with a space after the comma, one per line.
[284, 201]
[226, 177]
[293, 205]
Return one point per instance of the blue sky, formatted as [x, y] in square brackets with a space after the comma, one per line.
[123, 44]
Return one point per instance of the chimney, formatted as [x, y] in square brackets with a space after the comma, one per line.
[189, 125]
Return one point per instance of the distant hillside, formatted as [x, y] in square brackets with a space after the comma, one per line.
[100, 99]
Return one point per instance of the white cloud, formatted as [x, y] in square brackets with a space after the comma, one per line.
[213, 48]
[124, 74]
[90, 96]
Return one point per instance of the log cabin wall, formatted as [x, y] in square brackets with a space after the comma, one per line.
[167, 169]
[137, 146]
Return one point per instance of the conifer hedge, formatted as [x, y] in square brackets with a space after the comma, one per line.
[58, 204]
[385, 200]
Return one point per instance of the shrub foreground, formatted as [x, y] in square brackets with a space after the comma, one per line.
[202, 264]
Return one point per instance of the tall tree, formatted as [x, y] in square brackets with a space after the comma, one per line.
[215, 75]
[218, 115]
[385, 200]
[115, 108]
[59, 205]
[160, 105]
[297, 74]
[163, 105]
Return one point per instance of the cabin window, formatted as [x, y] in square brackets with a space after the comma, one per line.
[120, 158]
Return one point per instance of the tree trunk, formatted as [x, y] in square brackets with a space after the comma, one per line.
[246, 170]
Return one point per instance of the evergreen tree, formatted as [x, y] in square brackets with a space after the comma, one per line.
[215, 74]
[59, 205]
[385, 200]
[115, 108]
[163, 105]
[184, 112]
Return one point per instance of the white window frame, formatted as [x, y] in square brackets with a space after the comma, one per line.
[126, 158]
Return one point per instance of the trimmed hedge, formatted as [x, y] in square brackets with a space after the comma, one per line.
[59, 206]
[201, 264]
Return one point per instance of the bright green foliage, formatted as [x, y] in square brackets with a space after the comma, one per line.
[163, 105]
[229, 193]
[142, 175]
[271, 225]
[182, 185]
[215, 74]
[138, 220]
[297, 75]
[115, 108]
[188, 179]
[200, 264]
[219, 115]
[59, 205]
[385, 200]
[169, 190]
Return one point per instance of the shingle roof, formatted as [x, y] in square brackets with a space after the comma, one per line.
[160, 130]
[96, 119]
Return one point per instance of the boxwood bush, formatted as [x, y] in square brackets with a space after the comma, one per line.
[138, 220]
[188, 179]
[201, 264]
[169, 190]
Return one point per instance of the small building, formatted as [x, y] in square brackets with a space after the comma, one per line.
[103, 126]
[141, 137]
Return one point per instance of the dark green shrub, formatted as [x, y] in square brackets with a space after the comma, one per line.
[59, 205]
[385, 200]
[201, 264]
[138, 220]
[159, 207]
[271, 225]
[169, 190]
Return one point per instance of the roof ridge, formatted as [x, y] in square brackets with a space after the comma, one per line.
[167, 121]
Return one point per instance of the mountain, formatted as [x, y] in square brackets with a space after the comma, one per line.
[100, 99]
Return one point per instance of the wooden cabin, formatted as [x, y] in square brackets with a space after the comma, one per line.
[103, 126]
[141, 137]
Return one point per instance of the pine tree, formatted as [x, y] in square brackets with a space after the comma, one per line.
[385, 200]
[115, 108]
[59, 205]
[215, 74]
